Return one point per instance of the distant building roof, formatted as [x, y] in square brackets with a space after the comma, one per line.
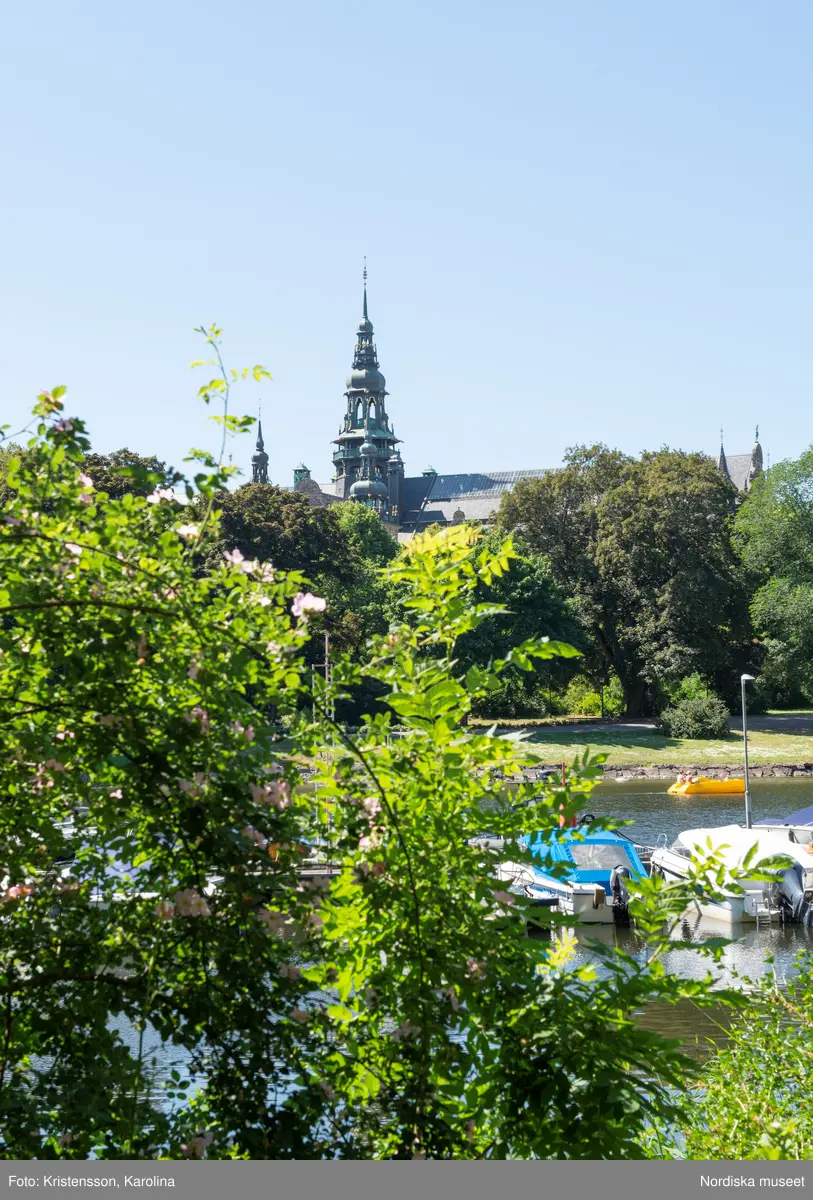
[437, 499]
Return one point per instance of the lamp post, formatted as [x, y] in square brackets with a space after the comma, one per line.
[743, 680]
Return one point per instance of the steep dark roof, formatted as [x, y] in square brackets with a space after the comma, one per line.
[431, 499]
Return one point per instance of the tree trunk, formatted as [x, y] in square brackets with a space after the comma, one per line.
[634, 695]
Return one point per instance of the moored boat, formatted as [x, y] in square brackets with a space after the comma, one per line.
[584, 872]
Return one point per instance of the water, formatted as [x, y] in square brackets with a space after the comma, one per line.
[645, 802]
[653, 813]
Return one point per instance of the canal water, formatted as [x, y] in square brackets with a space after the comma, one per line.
[653, 813]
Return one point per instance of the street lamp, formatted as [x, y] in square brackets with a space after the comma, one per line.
[743, 680]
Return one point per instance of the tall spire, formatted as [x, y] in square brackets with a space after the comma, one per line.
[721, 461]
[259, 459]
[364, 277]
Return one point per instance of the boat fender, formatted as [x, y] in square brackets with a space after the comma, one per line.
[599, 896]
[790, 888]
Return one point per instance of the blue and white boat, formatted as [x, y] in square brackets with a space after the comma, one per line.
[593, 870]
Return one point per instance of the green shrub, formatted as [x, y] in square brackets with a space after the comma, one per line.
[699, 716]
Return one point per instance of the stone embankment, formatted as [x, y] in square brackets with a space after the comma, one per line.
[766, 771]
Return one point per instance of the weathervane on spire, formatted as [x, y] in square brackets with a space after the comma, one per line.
[756, 435]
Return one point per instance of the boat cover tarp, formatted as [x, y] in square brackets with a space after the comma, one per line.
[803, 817]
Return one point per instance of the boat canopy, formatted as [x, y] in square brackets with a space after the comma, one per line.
[593, 854]
[803, 817]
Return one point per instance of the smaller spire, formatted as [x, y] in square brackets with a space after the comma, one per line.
[721, 460]
[364, 277]
[756, 435]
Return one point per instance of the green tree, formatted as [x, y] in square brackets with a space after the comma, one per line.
[151, 838]
[532, 606]
[774, 530]
[124, 472]
[643, 548]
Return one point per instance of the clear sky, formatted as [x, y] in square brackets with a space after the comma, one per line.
[584, 221]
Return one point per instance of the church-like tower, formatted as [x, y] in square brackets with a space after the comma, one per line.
[365, 452]
[259, 459]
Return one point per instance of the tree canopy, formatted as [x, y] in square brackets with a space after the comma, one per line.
[643, 548]
[774, 531]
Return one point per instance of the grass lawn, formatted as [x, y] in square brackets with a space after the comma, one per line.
[645, 748]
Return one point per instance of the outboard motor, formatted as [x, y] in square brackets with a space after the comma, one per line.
[793, 894]
[618, 887]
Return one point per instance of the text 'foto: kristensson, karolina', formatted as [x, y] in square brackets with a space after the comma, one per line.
[91, 1181]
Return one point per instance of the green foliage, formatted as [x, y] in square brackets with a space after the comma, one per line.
[694, 711]
[152, 836]
[531, 605]
[752, 1102]
[583, 699]
[643, 549]
[774, 530]
[123, 471]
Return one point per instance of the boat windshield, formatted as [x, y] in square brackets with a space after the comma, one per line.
[600, 856]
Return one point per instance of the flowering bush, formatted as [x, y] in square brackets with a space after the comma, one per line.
[153, 833]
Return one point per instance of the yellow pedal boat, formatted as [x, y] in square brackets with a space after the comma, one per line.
[700, 786]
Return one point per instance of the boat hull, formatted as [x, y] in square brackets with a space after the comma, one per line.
[746, 909]
[709, 787]
[587, 904]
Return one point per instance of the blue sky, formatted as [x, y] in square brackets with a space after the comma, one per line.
[584, 221]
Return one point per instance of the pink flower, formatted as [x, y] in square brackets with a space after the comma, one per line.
[503, 898]
[171, 593]
[187, 787]
[160, 494]
[235, 557]
[18, 891]
[305, 602]
[246, 730]
[85, 498]
[116, 795]
[165, 910]
[190, 903]
[64, 426]
[264, 572]
[65, 733]
[272, 919]
[12, 521]
[85, 480]
[54, 765]
[276, 794]
[189, 532]
[371, 805]
[289, 971]
[197, 1146]
[254, 835]
[199, 714]
[474, 969]
[300, 1015]
[74, 549]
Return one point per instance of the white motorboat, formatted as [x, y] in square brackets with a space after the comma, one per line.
[788, 895]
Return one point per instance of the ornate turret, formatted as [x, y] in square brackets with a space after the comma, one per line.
[259, 459]
[366, 440]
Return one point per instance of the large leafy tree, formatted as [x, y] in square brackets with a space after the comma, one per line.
[643, 548]
[774, 529]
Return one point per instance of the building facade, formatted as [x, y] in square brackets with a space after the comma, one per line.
[369, 469]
